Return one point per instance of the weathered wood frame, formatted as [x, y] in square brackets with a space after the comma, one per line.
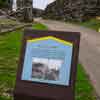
[26, 90]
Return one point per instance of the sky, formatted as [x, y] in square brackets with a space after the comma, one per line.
[14, 6]
[40, 4]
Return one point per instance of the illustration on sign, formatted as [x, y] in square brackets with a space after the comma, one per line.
[48, 60]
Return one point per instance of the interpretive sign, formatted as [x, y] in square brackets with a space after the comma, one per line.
[47, 67]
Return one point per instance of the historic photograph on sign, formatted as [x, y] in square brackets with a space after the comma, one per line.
[45, 68]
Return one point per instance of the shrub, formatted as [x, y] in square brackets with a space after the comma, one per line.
[3, 3]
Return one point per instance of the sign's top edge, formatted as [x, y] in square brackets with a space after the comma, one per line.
[52, 38]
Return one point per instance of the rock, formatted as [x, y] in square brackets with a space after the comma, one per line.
[3, 17]
[74, 10]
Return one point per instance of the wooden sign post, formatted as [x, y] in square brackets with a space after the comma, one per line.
[47, 65]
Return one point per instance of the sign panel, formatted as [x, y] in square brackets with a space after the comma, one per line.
[47, 65]
[48, 60]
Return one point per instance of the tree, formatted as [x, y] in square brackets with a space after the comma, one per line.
[28, 11]
[3, 3]
[27, 14]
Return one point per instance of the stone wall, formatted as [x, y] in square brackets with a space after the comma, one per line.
[24, 11]
[73, 10]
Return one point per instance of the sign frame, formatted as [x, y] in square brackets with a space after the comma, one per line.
[28, 90]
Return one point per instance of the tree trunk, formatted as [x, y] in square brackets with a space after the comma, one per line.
[28, 11]
[10, 2]
[20, 4]
[27, 15]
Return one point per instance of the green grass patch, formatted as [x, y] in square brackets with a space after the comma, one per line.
[84, 89]
[92, 23]
[40, 26]
[9, 53]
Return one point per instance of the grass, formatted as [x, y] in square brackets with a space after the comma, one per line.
[40, 26]
[92, 23]
[9, 53]
[7, 21]
[84, 89]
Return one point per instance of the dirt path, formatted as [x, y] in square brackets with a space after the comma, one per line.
[89, 48]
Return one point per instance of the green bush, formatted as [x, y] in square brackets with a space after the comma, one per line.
[3, 3]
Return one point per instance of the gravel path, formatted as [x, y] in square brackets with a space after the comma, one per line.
[89, 48]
